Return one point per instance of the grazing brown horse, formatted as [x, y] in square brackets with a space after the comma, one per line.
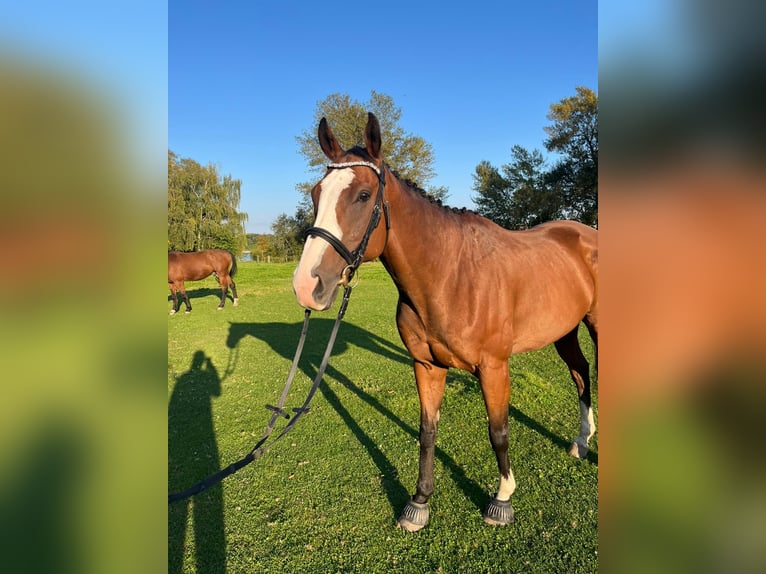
[196, 266]
[470, 294]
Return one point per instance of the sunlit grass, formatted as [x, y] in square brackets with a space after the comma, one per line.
[327, 497]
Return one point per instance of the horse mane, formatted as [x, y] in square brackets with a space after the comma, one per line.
[362, 153]
[427, 196]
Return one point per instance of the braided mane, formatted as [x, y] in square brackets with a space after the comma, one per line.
[362, 152]
[423, 193]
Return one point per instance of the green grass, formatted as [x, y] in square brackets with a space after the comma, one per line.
[326, 498]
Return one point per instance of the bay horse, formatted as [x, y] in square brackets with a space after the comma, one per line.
[471, 294]
[197, 266]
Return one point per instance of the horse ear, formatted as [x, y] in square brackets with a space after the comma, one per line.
[372, 136]
[327, 141]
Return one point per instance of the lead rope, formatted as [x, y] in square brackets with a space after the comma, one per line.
[260, 448]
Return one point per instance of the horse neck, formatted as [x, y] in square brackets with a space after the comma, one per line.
[421, 235]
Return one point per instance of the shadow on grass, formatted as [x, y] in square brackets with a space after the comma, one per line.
[469, 386]
[283, 338]
[202, 293]
[193, 454]
[558, 441]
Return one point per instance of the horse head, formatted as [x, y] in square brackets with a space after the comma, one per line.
[348, 206]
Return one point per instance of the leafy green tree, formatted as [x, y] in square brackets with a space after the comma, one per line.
[409, 155]
[285, 237]
[574, 135]
[525, 192]
[494, 195]
[519, 198]
[203, 207]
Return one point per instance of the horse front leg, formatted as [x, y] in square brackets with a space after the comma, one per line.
[186, 300]
[224, 292]
[496, 390]
[176, 304]
[175, 287]
[430, 381]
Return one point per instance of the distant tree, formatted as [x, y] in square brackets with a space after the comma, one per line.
[203, 207]
[259, 245]
[262, 246]
[285, 237]
[409, 155]
[493, 195]
[525, 192]
[522, 196]
[574, 135]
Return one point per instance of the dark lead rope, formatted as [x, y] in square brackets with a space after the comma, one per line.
[260, 448]
[354, 260]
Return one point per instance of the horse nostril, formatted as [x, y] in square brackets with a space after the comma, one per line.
[319, 289]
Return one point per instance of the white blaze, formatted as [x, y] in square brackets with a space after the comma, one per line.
[330, 189]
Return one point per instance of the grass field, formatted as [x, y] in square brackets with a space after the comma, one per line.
[326, 498]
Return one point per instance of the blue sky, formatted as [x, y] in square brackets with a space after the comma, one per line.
[233, 83]
[244, 79]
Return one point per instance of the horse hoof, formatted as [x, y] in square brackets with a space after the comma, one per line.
[578, 450]
[414, 516]
[187, 311]
[236, 302]
[220, 308]
[498, 512]
[172, 312]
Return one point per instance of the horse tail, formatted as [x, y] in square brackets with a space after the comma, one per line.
[233, 269]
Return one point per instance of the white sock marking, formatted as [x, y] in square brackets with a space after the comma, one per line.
[507, 486]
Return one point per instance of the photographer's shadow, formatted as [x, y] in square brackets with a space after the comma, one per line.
[193, 454]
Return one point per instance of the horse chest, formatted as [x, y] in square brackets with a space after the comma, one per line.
[432, 340]
[451, 356]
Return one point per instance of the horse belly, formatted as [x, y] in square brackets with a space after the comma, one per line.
[545, 323]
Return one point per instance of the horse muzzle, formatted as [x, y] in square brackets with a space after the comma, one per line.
[313, 290]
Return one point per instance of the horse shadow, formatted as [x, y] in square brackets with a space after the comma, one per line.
[192, 454]
[516, 415]
[282, 339]
[203, 292]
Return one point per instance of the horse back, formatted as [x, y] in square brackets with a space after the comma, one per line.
[504, 292]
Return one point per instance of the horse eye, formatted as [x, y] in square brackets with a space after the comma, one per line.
[364, 196]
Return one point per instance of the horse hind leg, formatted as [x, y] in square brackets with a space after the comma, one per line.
[233, 286]
[568, 348]
[224, 283]
[229, 282]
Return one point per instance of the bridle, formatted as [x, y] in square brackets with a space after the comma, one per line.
[354, 258]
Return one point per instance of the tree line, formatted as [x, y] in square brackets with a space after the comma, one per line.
[528, 190]
[203, 208]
